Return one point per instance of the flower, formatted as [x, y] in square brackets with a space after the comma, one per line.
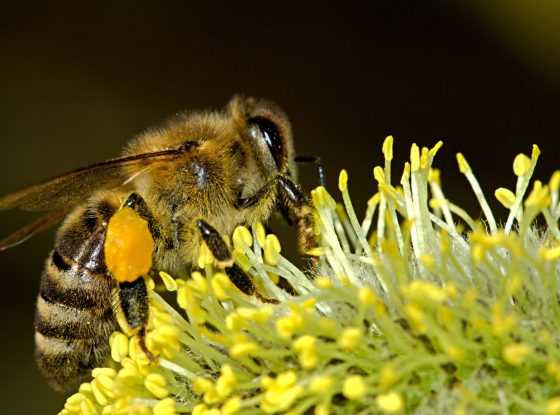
[416, 307]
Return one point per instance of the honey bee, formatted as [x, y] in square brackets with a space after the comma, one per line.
[192, 180]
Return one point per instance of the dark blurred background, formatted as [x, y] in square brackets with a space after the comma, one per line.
[78, 81]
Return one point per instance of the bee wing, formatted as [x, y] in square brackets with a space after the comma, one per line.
[65, 191]
[35, 227]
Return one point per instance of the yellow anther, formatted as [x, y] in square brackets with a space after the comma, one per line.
[202, 385]
[98, 393]
[516, 353]
[463, 164]
[343, 180]
[456, 353]
[243, 349]
[308, 359]
[317, 251]
[323, 282]
[156, 384]
[434, 150]
[226, 381]
[304, 343]
[87, 407]
[322, 409]
[287, 326]
[165, 407]
[350, 338]
[514, 283]
[388, 376]
[231, 406]
[119, 346]
[280, 393]
[354, 387]
[416, 316]
[205, 256]
[169, 282]
[258, 315]
[286, 379]
[478, 252]
[424, 159]
[374, 200]
[434, 176]
[150, 284]
[406, 173]
[428, 261]
[103, 371]
[505, 196]
[200, 409]
[423, 290]
[242, 238]
[260, 233]
[521, 164]
[539, 197]
[387, 148]
[390, 403]
[235, 322]
[550, 254]
[241, 259]
[535, 152]
[220, 285]
[553, 406]
[272, 249]
[129, 246]
[198, 283]
[435, 203]
[321, 384]
[502, 324]
[379, 174]
[309, 304]
[136, 353]
[367, 296]
[414, 157]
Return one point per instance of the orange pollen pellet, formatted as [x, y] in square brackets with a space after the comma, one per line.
[129, 246]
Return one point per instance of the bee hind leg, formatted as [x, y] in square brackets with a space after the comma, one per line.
[130, 298]
[222, 254]
[131, 308]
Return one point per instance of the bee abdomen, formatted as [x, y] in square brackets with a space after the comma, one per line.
[73, 322]
[74, 317]
[66, 364]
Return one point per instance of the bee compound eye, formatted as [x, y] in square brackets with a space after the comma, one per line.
[265, 129]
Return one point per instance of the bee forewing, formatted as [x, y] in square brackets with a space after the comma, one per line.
[37, 226]
[65, 191]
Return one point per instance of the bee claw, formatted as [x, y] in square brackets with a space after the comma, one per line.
[142, 342]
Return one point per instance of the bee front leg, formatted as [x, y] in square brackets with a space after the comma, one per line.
[221, 252]
[295, 205]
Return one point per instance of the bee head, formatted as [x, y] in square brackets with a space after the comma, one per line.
[268, 131]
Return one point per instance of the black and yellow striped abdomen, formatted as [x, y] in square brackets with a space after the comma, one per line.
[74, 315]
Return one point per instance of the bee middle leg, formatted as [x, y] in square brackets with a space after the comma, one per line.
[295, 206]
[222, 254]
